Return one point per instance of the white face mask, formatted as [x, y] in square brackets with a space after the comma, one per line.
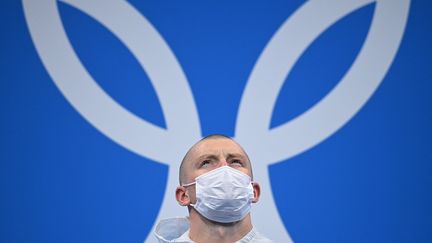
[223, 195]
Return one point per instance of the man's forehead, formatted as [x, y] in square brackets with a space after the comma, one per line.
[216, 146]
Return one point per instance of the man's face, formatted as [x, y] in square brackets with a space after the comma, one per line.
[210, 154]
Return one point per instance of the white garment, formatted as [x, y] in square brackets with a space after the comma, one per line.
[176, 230]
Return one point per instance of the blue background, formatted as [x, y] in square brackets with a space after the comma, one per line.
[63, 181]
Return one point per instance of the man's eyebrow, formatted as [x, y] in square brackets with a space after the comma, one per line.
[236, 155]
[205, 156]
[213, 156]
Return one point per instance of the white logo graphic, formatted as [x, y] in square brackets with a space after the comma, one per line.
[265, 145]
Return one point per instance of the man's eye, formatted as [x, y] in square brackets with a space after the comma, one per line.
[205, 162]
[236, 162]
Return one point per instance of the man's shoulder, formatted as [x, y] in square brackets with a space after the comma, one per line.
[173, 230]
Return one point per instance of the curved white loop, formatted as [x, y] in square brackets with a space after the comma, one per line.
[346, 98]
[95, 105]
[333, 111]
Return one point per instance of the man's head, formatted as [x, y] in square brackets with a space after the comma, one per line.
[206, 155]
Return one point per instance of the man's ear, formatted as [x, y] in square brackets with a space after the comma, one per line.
[182, 196]
[257, 191]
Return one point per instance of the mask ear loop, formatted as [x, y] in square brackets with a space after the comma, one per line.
[190, 184]
[253, 192]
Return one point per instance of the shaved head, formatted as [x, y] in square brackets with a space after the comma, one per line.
[192, 153]
[205, 159]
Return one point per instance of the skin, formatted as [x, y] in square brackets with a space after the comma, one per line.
[206, 155]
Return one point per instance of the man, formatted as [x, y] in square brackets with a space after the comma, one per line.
[216, 186]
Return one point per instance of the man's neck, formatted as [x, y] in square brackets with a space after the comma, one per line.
[203, 230]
